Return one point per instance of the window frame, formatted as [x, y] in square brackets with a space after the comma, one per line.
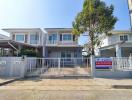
[37, 41]
[53, 37]
[18, 34]
[67, 34]
[123, 35]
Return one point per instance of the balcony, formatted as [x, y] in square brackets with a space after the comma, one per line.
[48, 43]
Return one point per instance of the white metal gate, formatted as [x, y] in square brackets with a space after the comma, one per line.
[48, 67]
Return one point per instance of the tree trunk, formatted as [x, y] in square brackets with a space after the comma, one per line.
[92, 43]
[92, 47]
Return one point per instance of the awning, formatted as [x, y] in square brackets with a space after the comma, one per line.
[14, 44]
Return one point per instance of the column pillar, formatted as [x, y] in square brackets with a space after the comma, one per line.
[58, 37]
[37, 53]
[118, 51]
[2, 51]
[43, 51]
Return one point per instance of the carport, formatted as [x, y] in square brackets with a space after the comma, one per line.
[10, 47]
[121, 49]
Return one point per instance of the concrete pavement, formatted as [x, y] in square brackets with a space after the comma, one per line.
[66, 95]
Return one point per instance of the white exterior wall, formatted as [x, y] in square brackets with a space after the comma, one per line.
[113, 39]
[105, 42]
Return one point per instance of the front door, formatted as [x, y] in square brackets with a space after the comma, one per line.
[66, 56]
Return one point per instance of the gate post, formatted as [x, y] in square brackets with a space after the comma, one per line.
[24, 63]
[92, 60]
[130, 61]
[59, 64]
[113, 64]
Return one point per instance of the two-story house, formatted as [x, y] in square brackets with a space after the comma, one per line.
[119, 44]
[60, 42]
[26, 38]
[55, 43]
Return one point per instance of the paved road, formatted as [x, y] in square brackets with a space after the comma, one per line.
[66, 95]
[66, 89]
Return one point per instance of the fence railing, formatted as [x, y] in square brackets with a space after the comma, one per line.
[58, 66]
[17, 66]
[122, 63]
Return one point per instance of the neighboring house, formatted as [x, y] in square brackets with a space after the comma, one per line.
[55, 43]
[60, 42]
[119, 44]
[32, 36]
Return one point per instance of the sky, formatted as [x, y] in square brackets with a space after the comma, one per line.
[52, 14]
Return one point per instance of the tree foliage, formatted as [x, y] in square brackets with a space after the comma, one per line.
[96, 18]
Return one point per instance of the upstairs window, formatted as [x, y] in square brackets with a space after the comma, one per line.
[53, 37]
[20, 38]
[34, 39]
[67, 37]
[124, 38]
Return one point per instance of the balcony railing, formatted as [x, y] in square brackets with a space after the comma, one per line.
[61, 43]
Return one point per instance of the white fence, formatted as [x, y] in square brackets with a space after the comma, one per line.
[58, 67]
[122, 63]
[31, 66]
[11, 66]
[113, 67]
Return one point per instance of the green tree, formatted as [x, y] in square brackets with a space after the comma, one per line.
[96, 18]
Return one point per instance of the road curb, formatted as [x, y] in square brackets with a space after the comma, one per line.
[122, 86]
[10, 81]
